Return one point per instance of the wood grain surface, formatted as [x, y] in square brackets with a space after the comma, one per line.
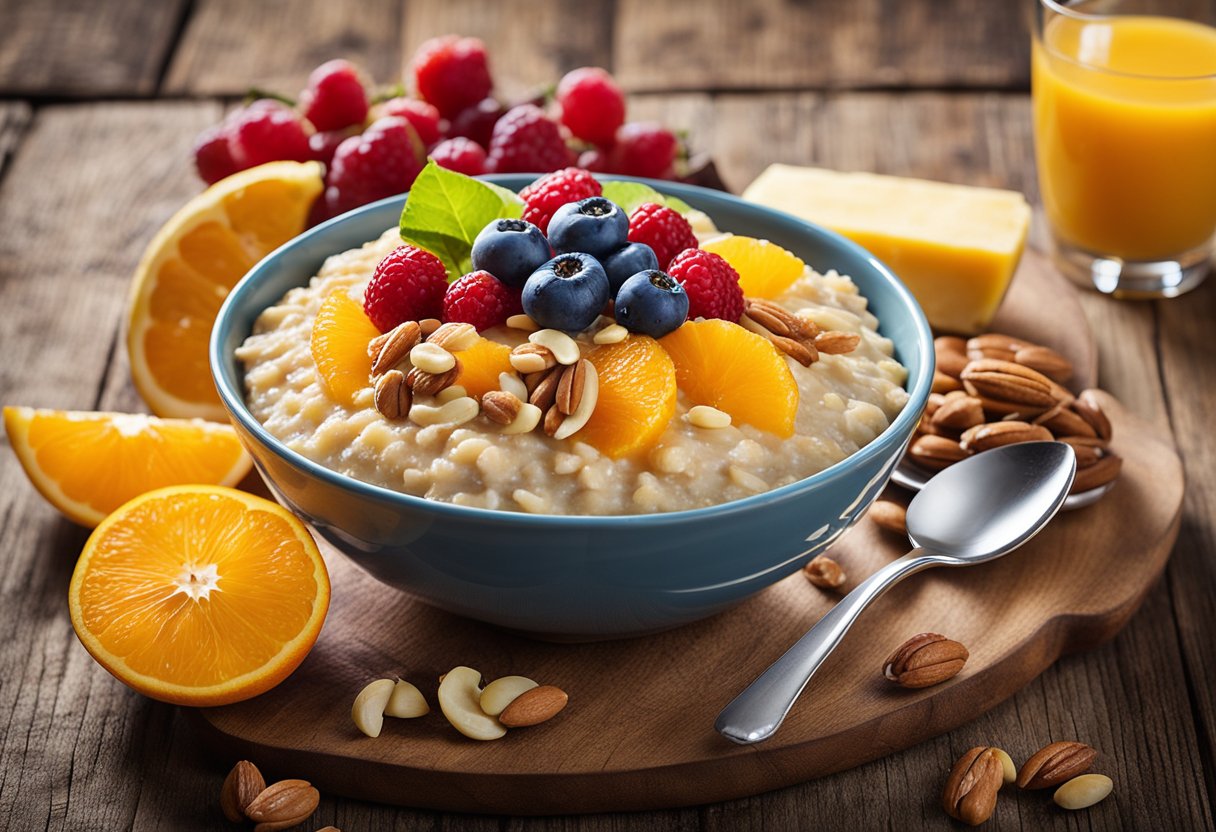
[85, 185]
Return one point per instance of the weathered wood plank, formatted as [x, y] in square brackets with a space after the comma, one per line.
[76, 48]
[232, 45]
[14, 119]
[768, 44]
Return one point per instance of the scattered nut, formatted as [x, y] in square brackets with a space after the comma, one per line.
[1046, 360]
[611, 334]
[709, 418]
[564, 348]
[460, 701]
[502, 692]
[1083, 792]
[283, 804]
[890, 515]
[241, 786]
[824, 572]
[1009, 772]
[1055, 764]
[925, 660]
[432, 358]
[368, 710]
[406, 702]
[971, 788]
[534, 706]
[837, 343]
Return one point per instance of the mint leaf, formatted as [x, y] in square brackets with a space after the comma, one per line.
[446, 211]
[629, 195]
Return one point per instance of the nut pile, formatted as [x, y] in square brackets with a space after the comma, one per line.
[798, 337]
[286, 803]
[995, 390]
[976, 778]
[478, 713]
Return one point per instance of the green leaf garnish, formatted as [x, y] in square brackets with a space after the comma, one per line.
[446, 211]
[629, 195]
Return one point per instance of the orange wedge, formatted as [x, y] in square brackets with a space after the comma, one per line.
[765, 269]
[481, 364]
[190, 266]
[722, 365]
[199, 595]
[340, 335]
[88, 464]
[637, 397]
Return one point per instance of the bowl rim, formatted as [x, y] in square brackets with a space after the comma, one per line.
[234, 402]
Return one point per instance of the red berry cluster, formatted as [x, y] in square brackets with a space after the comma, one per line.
[373, 150]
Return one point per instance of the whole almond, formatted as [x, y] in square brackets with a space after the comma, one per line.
[1009, 382]
[972, 787]
[553, 420]
[924, 660]
[936, 452]
[804, 352]
[396, 346]
[283, 801]
[824, 572]
[1046, 360]
[943, 383]
[951, 355]
[996, 409]
[392, 395]
[422, 383]
[241, 786]
[1086, 453]
[995, 434]
[534, 706]
[1054, 764]
[429, 325]
[959, 413]
[773, 317]
[1087, 407]
[1063, 421]
[500, 407]
[995, 345]
[1106, 469]
[934, 401]
[890, 515]
[837, 343]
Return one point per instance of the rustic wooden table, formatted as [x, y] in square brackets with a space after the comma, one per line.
[99, 103]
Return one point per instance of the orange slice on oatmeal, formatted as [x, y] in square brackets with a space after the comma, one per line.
[190, 266]
[340, 335]
[88, 464]
[765, 269]
[199, 595]
[480, 366]
[722, 365]
[637, 397]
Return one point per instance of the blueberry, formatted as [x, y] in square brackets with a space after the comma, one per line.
[594, 225]
[510, 250]
[652, 303]
[625, 262]
[567, 293]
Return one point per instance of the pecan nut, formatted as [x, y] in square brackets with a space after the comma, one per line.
[1056, 763]
[995, 434]
[925, 660]
[1008, 382]
[972, 787]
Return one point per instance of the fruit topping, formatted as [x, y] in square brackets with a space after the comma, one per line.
[595, 225]
[627, 261]
[525, 140]
[407, 285]
[566, 293]
[636, 397]
[544, 196]
[765, 269]
[663, 229]
[645, 149]
[461, 155]
[452, 73]
[593, 106]
[478, 299]
[335, 97]
[481, 365]
[340, 334]
[510, 250]
[712, 285]
[722, 365]
[382, 161]
[651, 303]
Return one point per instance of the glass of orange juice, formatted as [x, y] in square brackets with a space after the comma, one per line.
[1125, 136]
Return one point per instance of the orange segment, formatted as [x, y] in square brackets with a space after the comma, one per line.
[721, 364]
[481, 364]
[190, 266]
[88, 464]
[765, 269]
[637, 397]
[340, 335]
[199, 595]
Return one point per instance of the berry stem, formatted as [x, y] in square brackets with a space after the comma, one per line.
[255, 93]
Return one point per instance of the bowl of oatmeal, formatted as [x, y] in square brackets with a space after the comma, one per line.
[652, 513]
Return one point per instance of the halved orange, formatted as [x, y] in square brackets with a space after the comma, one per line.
[637, 397]
[722, 365]
[481, 364]
[340, 335]
[190, 266]
[199, 595]
[765, 269]
[88, 464]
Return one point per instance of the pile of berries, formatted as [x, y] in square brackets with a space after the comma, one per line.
[573, 256]
[375, 148]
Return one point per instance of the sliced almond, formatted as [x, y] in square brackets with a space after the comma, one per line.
[522, 322]
[432, 358]
[611, 334]
[533, 707]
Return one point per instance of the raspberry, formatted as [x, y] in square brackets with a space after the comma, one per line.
[212, 155]
[477, 122]
[324, 145]
[408, 285]
[335, 97]
[480, 299]
[460, 154]
[526, 141]
[267, 131]
[645, 149]
[711, 283]
[451, 72]
[552, 191]
[382, 161]
[663, 229]
[593, 106]
[594, 160]
[422, 116]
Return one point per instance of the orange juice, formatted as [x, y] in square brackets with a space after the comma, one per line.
[1125, 133]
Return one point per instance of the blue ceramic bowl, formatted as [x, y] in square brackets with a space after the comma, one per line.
[579, 577]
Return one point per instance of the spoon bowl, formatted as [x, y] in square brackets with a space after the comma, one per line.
[911, 476]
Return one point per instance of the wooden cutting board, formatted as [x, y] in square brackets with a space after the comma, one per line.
[638, 733]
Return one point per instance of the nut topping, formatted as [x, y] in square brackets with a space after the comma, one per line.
[423, 383]
[804, 352]
[529, 359]
[392, 395]
[454, 337]
[925, 660]
[837, 343]
[824, 573]
[971, 789]
[1055, 764]
[544, 394]
[500, 407]
[395, 346]
[570, 386]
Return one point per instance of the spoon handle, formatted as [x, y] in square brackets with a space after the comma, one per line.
[757, 712]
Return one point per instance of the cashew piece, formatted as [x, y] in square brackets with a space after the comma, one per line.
[502, 692]
[368, 710]
[406, 702]
[460, 701]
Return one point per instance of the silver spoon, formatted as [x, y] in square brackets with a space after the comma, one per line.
[912, 477]
[972, 512]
